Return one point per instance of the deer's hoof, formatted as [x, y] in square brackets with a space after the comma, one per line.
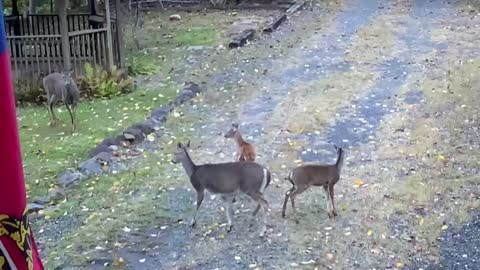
[52, 124]
[229, 228]
[262, 234]
[335, 213]
[193, 224]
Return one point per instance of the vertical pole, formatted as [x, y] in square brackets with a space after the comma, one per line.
[17, 245]
[109, 36]
[119, 32]
[62, 13]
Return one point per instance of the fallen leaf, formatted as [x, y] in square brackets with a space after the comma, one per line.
[421, 221]
[358, 182]
[150, 137]
[370, 232]
[441, 157]
[399, 265]
[444, 227]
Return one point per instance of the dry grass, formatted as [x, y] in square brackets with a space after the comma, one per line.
[312, 106]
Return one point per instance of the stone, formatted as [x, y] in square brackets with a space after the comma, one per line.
[152, 123]
[70, 177]
[162, 113]
[129, 137]
[117, 167]
[175, 17]
[146, 129]
[55, 194]
[193, 87]
[104, 157]
[90, 166]
[41, 200]
[137, 134]
[101, 148]
[34, 207]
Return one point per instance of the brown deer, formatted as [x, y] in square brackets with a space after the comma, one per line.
[226, 179]
[246, 151]
[61, 87]
[305, 176]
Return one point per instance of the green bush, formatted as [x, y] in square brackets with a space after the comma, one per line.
[29, 91]
[99, 82]
[142, 65]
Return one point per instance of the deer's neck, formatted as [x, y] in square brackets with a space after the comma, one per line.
[188, 164]
[238, 139]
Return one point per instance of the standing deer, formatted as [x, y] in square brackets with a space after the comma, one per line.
[61, 87]
[246, 151]
[305, 176]
[226, 179]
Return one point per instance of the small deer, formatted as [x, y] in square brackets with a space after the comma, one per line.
[305, 176]
[61, 87]
[226, 179]
[246, 151]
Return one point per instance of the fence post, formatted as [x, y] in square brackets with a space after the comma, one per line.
[119, 32]
[62, 13]
[109, 35]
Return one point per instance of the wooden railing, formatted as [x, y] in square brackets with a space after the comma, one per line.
[35, 54]
[38, 50]
[88, 46]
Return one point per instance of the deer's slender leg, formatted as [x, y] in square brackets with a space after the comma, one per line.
[298, 189]
[71, 116]
[287, 195]
[258, 197]
[51, 103]
[327, 198]
[331, 193]
[256, 210]
[228, 211]
[200, 196]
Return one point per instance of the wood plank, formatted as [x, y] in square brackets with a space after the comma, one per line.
[275, 24]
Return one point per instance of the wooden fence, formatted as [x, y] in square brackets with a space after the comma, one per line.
[35, 43]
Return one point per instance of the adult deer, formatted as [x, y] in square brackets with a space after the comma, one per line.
[325, 176]
[227, 179]
[61, 87]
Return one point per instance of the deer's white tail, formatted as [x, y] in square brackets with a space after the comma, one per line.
[266, 179]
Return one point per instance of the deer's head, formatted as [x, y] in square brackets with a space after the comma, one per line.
[181, 153]
[232, 132]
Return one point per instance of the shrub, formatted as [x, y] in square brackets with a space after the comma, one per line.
[99, 82]
[29, 91]
[142, 65]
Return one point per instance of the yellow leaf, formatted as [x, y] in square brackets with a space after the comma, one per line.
[421, 221]
[47, 217]
[358, 182]
[444, 227]
[150, 137]
[370, 232]
[440, 157]
[27, 187]
[399, 265]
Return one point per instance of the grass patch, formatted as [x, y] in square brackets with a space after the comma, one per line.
[136, 199]
[49, 150]
[315, 104]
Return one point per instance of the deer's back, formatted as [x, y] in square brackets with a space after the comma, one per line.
[229, 177]
[248, 151]
[315, 175]
[54, 84]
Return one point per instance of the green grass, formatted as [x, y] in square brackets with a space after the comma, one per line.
[47, 151]
[135, 200]
[197, 36]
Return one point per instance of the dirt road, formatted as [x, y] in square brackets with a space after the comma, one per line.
[392, 82]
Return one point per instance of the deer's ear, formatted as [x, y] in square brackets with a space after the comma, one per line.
[235, 125]
[188, 144]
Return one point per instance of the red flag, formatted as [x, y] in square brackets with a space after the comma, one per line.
[17, 246]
